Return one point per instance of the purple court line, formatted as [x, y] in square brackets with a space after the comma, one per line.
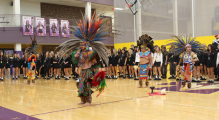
[88, 106]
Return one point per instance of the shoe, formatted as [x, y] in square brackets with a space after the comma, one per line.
[149, 78]
[177, 79]
[16, 78]
[194, 80]
[210, 81]
[44, 77]
[136, 79]
[109, 77]
[70, 77]
[170, 77]
[56, 77]
[189, 85]
[173, 77]
[164, 77]
[124, 76]
[48, 78]
[66, 78]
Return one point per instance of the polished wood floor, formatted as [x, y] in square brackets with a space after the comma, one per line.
[122, 100]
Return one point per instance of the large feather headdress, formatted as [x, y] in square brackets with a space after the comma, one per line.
[181, 43]
[146, 41]
[32, 46]
[90, 32]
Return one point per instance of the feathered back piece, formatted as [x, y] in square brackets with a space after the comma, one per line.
[147, 41]
[90, 32]
[32, 46]
[181, 43]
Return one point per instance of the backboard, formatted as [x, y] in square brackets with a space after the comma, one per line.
[133, 5]
[146, 4]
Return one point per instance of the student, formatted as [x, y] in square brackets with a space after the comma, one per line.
[136, 66]
[114, 63]
[157, 62]
[7, 64]
[164, 65]
[46, 65]
[122, 64]
[16, 61]
[57, 66]
[2, 65]
[24, 66]
[131, 62]
[211, 63]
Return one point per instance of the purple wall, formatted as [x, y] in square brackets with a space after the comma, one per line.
[106, 2]
[11, 35]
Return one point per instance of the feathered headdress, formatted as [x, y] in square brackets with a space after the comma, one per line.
[146, 41]
[32, 46]
[181, 43]
[90, 32]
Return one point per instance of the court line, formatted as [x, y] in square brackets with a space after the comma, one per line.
[88, 106]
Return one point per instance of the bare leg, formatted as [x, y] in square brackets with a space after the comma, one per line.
[159, 70]
[155, 69]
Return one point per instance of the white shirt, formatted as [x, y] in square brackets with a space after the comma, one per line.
[158, 57]
[216, 41]
[217, 61]
[137, 57]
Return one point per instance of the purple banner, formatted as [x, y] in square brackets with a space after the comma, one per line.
[54, 27]
[41, 26]
[27, 25]
[65, 28]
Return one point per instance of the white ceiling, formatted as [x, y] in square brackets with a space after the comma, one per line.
[75, 3]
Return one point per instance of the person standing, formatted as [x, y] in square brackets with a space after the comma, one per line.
[46, 65]
[2, 66]
[164, 65]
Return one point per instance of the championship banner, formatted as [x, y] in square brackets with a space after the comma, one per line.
[54, 27]
[27, 25]
[41, 26]
[65, 28]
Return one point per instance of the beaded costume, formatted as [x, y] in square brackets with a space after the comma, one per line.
[188, 58]
[145, 42]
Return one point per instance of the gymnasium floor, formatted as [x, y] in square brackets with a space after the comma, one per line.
[57, 100]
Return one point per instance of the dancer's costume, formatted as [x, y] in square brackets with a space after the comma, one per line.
[181, 43]
[89, 32]
[31, 51]
[145, 41]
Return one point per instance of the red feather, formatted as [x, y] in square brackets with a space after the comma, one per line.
[100, 75]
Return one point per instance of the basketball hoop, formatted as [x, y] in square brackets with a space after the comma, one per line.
[128, 5]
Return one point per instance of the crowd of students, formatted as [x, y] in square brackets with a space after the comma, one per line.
[50, 65]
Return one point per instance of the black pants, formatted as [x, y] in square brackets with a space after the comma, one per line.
[46, 70]
[38, 70]
[172, 69]
[164, 70]
[42, 71]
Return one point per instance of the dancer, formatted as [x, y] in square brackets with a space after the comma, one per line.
[145, 57]
[32, 69]
[31, 51]
[90, 34]
[189, 49]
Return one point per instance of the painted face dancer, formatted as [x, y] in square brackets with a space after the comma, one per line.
[189, 49]
[89, 34]
[145, 58]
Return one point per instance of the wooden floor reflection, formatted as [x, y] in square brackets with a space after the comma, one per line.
[122, 100]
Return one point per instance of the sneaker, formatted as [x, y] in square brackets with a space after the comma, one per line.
[66, 78]
[136, 79]
[48, 78]
[124, 76]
